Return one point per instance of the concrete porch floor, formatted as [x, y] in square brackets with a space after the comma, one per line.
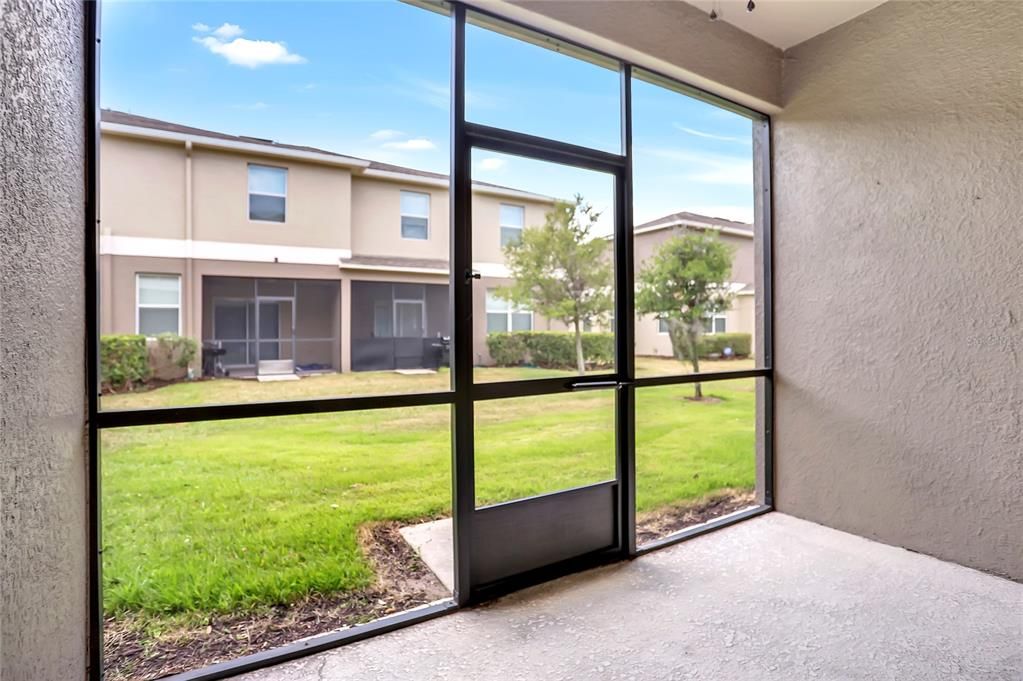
[770, 598]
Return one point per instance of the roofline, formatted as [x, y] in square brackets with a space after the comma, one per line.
[232, 145]
[667, 223]
[342, 161]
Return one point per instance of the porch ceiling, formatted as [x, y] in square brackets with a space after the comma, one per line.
[770, 598]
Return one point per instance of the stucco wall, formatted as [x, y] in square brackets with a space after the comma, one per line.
[42, 356]
[317, 208]
[899, 280]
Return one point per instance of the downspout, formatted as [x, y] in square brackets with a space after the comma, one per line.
[192, 290]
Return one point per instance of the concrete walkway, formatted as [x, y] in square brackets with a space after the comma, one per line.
[773, 598]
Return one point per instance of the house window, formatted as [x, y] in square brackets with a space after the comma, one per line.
[662, 325]
[503, 316]
[513, 219]
[268, 193]
[714, 323]
[159, 304]
[415, 215]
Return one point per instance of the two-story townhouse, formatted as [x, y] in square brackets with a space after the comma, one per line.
[329, 262]
[652, 333]
[282, 252]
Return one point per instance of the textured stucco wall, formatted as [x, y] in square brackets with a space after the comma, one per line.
[898, 190]
[42, 401]
[669, 36]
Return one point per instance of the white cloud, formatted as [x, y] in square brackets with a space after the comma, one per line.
[492, 163]
[228, 31]
[308, 87]
[417, 144]
[712, 136]
[200, 27]
[255, 106]
[250, 53]
[386, 134]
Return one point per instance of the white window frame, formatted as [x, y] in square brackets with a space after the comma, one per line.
[512, 309]
[659, 320]
[712, 318]
[249, 193]
[403, 214]
[501, 226]
[155, 306]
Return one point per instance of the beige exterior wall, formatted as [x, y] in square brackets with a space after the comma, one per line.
[318, 203]
[899, 281]
[143, 188]
[376, 221]
[486, 221]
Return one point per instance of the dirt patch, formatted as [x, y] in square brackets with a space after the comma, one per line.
[706, 399]
[403, 582]
[658, 524]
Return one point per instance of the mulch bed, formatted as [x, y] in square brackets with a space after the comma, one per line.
[659, 524]
[403, 582]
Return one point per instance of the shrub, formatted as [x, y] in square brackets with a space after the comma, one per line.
[715, 343]
[550, 349]
[178, 350]
[123, 361]
[507, 349]
[170, 356]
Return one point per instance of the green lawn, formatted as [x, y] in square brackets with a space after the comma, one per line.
[230, 515]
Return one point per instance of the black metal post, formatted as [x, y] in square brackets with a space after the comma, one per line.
[463, 487]
[91, 32]
[625, 329]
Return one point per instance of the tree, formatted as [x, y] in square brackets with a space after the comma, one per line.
[682, 283]
[561, 270]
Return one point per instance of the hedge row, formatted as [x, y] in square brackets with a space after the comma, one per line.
[715, 343]
[550, 349]
[123, 361]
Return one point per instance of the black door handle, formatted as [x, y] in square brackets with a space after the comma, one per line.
[471, 274]
[597, 385]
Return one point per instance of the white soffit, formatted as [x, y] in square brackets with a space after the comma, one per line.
[784, 23]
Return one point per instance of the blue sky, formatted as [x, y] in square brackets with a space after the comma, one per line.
[371, 79]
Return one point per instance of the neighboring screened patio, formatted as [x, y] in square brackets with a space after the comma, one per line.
[398, 325]
[262, 320]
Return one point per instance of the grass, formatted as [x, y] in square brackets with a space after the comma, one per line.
[224, 516]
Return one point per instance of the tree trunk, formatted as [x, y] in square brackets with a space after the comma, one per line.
[580, 361]
[692, 340]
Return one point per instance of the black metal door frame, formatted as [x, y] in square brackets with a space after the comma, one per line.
[463, 393]
[579, 508]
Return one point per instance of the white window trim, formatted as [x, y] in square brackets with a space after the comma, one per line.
[512, 309]
[157, 306]
[501, 226]
[249, 193]
[403, 214]
[713, 318]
